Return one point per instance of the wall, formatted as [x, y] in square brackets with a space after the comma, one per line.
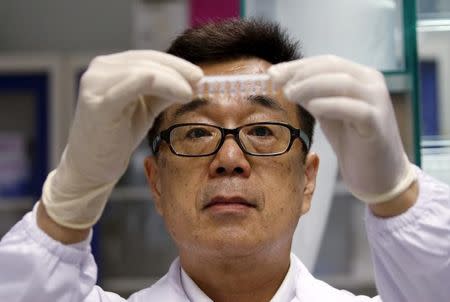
[65, 25]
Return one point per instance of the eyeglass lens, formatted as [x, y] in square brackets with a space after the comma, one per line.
[257, 139]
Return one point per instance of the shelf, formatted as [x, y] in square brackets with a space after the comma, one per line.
[397, 82]
[16, 204]
[433, 25]
[131, 193]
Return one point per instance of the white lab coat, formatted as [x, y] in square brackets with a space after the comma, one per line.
[411, 256]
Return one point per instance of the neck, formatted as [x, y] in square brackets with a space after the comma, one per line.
[237, 278]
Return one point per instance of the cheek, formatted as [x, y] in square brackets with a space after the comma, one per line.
[175, 172]
[180, 181]
[179, 184]
[284, 183]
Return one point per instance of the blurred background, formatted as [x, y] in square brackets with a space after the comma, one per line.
[46, 45]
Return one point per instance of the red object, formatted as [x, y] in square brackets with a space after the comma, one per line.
[202, 11]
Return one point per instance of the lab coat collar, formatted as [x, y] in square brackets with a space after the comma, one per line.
[285, 292]
[306, 287]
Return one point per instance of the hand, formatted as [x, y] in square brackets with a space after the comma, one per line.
[353, 106]
[120, 96]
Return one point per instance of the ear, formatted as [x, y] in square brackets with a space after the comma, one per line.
[311, 168]
[154, 181]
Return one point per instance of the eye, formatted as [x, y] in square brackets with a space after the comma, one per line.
[260, 131]
[197, 133]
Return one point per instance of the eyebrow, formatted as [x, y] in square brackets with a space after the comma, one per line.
[191, 106]
[266, 101]
[261, 100]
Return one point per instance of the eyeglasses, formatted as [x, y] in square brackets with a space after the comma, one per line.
[258, 139]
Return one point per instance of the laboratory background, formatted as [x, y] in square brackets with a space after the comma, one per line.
[46, 45]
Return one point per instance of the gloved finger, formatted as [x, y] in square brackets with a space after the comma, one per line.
[307, 67]
[147, 82]
[350, 111]
[191, 72]
[103, 75]
[170, 86]
[325, 85]
[119, 96]
[160, 70]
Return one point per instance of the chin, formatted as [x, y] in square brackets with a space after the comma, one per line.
[234, 245]
[234, 251]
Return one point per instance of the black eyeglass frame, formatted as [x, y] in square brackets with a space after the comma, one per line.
[295, 133]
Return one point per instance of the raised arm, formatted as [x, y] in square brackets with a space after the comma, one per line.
[408, 220]
[411, 251]
[46, 256]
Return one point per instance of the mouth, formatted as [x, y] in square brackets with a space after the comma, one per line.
[234, 203]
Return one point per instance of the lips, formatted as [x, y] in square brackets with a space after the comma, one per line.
[234, 200]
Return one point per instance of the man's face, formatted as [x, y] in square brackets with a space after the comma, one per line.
[277, 189]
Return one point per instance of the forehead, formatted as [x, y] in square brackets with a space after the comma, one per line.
[238, 107]
[236, 66]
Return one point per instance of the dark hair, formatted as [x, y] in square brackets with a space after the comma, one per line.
[233, 39]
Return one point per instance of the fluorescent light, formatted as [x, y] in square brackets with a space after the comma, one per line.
[433, 25]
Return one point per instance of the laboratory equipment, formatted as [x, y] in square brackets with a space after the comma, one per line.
[241, 85]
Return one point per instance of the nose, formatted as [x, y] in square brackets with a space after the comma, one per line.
[230, 160]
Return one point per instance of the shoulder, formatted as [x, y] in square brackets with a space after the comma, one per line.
[308, 288]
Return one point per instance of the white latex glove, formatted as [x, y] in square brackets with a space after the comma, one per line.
[111, 119]
[354, 109]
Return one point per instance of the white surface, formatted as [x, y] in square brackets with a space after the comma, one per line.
[364, 31]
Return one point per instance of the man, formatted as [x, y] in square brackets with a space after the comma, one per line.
[231, 202]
